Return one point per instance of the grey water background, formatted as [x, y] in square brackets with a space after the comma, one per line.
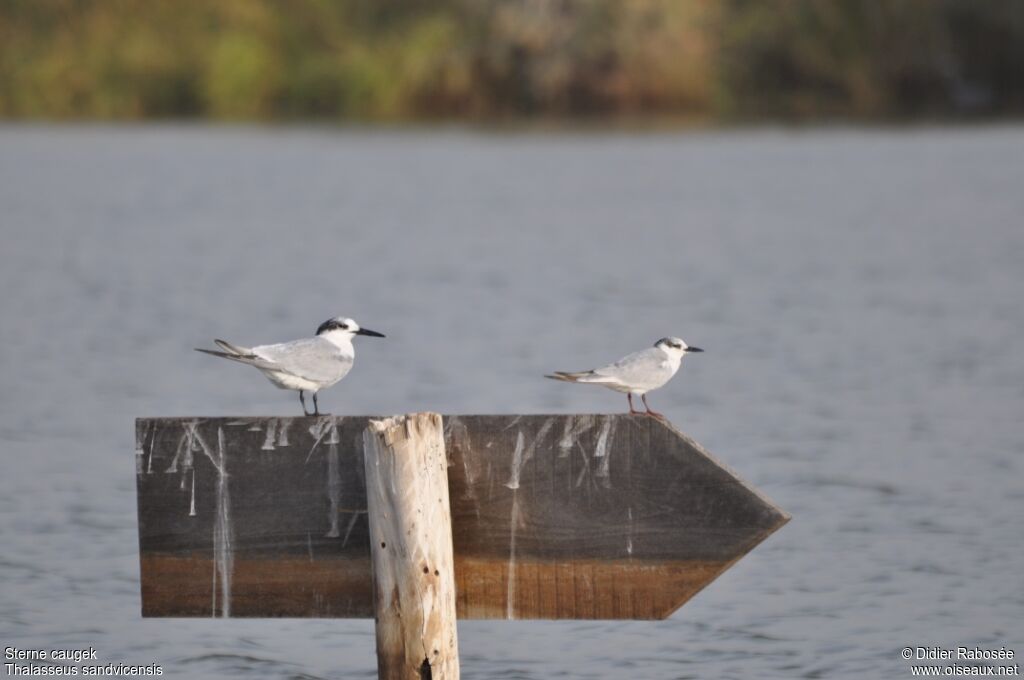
[860, 295]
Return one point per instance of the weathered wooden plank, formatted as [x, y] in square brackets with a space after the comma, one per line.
[587, 516]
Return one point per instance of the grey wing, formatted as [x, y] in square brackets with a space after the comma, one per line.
[638, 368]
[314, 359]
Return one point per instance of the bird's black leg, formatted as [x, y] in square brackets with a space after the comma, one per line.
[316, 407]
[649, 411]
[302, 400]
[632, 411]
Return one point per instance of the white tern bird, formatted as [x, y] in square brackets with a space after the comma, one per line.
[306, 365]
[636, 373]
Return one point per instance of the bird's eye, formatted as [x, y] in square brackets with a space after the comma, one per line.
[343, 326]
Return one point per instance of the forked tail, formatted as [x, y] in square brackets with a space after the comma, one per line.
[569, 377]
[233, 352]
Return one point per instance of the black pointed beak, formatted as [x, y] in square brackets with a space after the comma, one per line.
[372, 334]
[694, 349]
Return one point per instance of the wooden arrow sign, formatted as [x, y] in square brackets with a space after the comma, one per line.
[553, 517]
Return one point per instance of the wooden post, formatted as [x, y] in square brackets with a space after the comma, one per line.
[411, 548]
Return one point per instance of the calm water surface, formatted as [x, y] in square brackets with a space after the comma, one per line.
[859, 295]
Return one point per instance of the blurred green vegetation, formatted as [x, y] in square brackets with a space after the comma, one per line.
[480, 60]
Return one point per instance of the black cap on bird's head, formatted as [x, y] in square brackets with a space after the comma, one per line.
[676, 345]
[346, 325]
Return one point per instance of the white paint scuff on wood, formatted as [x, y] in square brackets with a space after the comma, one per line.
[574, 427]
[222, 539]
[333, 490]
[520, 457]
[603, 450]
